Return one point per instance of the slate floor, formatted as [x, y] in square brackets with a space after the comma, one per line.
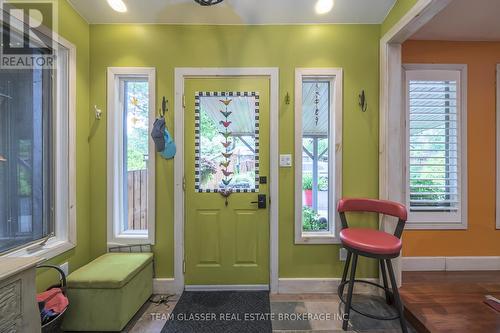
[292, 313]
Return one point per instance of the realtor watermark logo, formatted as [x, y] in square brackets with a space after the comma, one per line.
[28, 40]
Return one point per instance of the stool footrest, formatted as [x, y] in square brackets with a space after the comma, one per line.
[340, 293]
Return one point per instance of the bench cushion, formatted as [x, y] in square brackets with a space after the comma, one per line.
[109, 271]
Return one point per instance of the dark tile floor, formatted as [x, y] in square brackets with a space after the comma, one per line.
[292, 313]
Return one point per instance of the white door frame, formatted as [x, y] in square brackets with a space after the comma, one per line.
[498, 148]
[392, 114]
[191, 72]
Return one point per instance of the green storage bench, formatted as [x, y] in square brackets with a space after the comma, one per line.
[106, 293]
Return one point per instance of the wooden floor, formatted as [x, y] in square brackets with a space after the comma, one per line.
[451, 301]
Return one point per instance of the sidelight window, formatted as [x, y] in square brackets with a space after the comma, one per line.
[318, 153]
[131, 155]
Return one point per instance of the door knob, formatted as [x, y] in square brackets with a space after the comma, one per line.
[261, 201]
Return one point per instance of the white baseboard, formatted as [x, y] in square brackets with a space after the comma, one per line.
[321, 285]
[227, 287]
[451, 263]
[165, 286]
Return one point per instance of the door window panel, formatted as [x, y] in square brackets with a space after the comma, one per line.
[227, 141]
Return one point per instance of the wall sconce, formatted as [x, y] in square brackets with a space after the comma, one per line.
[363, 104]
[98, 113]
[287, 99]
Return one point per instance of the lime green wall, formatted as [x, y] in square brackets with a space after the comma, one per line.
[352, 47]
[73, 28]
[401, 7]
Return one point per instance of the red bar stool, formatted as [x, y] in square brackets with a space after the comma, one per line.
[373, 244]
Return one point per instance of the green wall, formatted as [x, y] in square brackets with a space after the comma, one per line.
[352, 47]
[75, 29]
[400, 8]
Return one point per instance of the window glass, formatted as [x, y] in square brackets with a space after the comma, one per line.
[433, 146]
[136, 153]
[27, 116]
[315, 155]
[227, 141]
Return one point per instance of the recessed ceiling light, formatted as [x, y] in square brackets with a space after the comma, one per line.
[118, 5]
[323, 6]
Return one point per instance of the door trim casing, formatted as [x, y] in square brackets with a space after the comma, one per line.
[391, 119]
[182, 73]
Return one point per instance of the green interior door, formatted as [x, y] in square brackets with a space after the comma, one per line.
[226, 149]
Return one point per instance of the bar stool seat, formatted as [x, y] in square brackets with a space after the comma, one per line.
[374, 244]
[370, 240]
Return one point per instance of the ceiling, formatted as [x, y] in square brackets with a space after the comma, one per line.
[464, 20]
[234, 12]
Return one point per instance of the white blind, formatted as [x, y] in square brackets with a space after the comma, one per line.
[434, 149]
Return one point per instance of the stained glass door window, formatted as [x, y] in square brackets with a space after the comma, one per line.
[227, 141]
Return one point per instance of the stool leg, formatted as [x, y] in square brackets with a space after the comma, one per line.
[345, 319]
[346, 267]
[397, 299]
[384, 279]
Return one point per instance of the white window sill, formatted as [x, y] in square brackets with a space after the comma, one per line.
[51, 249]
[316, 238]
[130, 239]
[426, 225]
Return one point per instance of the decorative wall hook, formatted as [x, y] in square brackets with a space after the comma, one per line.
[363, 104]
[287, 99]
[98, 112]
[164, 106]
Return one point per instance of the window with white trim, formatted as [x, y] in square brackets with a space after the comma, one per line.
[318, 136]
[37, 154]
[436, 165]
[131, 156]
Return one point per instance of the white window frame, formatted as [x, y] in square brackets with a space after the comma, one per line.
[498, 149]
[441, 220]
[64, 238]
[335, 76]
[115, 165]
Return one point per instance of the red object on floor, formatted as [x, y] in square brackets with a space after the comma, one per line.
[370, 240]
[493, 304]
[54, 300]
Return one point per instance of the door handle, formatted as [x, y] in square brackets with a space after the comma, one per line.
[261, 201]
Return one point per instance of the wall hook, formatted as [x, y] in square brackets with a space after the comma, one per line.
[164, 106]
[363, 104]
[287, 99]
[98, 112]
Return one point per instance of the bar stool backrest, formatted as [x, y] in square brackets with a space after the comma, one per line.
[385, 207]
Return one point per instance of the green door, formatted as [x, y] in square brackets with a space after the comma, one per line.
[226, 151]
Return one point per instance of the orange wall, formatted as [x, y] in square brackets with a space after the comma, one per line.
[481, 238]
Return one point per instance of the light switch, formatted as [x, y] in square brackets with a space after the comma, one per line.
[285, 160]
